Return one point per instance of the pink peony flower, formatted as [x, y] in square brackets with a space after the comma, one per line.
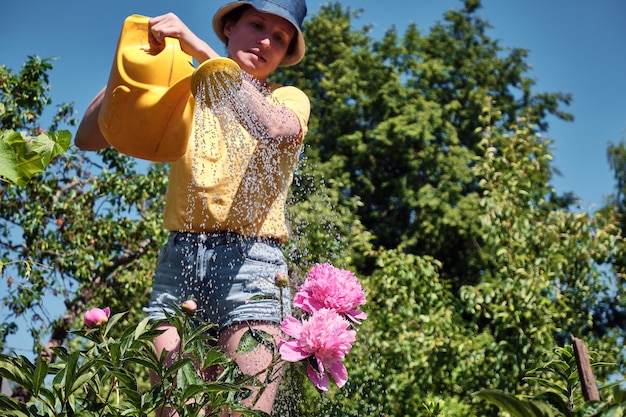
[96, 317]
[334, 288]
[326, 338]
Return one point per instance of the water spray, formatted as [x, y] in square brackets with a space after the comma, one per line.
[213, 78]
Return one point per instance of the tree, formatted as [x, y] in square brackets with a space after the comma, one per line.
[67, 233]
[611, 314]
[27, 151]
[440, 138]
[427, 171]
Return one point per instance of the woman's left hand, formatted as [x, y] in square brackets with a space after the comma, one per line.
[171, 26]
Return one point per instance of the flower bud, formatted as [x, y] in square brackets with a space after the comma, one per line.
[190, 307]
[96, 317]
[281, 280]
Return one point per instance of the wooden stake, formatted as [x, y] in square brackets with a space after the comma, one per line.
[585, 374]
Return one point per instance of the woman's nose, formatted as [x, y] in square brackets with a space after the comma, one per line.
[264, 41]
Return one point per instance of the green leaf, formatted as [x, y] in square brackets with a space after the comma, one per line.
[202, 333]
[252, 337]
[8, 158]
[515, 406]
[557, 401]
[247, 343]
[192, 390]
[17, 369]
[126, 380]
[141, 327]
[57, 381]
[113, 321]
[16, 408]
[214, 356]
[84, 376]
[22, 157]
[261, 297]
[41, 370]
[616, 410]
[47, 395]
[70, 372]
[187, 376]
[213, 387]
[146, 363]
[176, 366]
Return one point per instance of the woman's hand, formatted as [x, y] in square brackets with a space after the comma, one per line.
[170, 26]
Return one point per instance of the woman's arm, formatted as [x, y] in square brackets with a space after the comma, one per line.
[267, 119]
[89, 137]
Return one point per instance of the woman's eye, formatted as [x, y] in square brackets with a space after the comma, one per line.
[282, 38]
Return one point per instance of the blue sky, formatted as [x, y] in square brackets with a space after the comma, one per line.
[575, 46]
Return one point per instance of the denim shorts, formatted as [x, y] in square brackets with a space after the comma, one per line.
[222, 272]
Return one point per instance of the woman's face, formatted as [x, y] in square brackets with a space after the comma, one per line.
[258, 41]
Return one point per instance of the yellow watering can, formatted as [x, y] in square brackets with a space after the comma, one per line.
[148, 106]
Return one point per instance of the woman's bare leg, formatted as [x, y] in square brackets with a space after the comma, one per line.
[169, 341]
[253, 362]
[250, 363]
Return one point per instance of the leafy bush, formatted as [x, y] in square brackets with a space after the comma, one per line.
[559, 392]
[101, 379]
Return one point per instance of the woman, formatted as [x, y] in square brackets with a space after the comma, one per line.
[226, 196]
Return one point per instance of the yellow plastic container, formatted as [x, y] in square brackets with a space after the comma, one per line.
[148, 106]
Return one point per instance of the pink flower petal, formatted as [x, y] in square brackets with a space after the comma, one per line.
[319, 379]
[291, 326]
[356, 315]
[339, 373]
[290, 351]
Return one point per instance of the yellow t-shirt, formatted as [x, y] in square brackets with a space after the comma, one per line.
[230, 181]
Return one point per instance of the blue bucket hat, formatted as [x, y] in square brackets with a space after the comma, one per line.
[293, 11]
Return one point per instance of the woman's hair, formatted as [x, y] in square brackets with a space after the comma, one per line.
[235, 14]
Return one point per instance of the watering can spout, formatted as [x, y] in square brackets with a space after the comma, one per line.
[147, 111]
